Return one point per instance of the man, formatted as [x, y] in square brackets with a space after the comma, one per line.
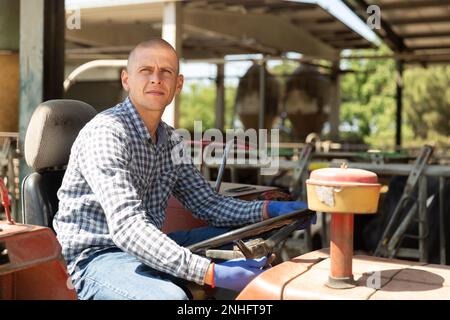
[115, 191]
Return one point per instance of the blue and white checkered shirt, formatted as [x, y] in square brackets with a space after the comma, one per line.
[115, 191]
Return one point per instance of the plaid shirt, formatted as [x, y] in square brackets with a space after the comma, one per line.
[115, 191]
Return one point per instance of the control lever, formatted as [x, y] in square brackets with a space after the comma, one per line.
[248, 254]
[228, 146]
[292, 220]
[226, 151]
[258, 247]
[266, 247]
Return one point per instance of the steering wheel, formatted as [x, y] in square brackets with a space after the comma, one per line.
[288, 223]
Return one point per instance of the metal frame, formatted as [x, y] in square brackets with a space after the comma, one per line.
[391, 239]
[440, 171]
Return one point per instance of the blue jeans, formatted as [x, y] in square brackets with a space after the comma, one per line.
[112, 274]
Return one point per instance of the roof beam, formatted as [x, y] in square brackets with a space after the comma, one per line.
[106, 50]
[413, 5]
[394, 41]
[437, 34]
[336, 37]
[429, 47]
[401, 56]
[420, 20]
[343, 42]
[227, 41]
[266, 30]
[99, 34]
[333, 33]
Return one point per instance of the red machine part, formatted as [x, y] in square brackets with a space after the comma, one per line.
[341, 246]
[31, 265]
[5, 201]
[341, 231]
[179, 218]
[376, 278]
[341, 177]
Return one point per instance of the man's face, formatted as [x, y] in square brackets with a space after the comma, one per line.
[152, 78]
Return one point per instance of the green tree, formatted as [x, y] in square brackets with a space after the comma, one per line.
[368, 100]
[198, 104]
[427, 104]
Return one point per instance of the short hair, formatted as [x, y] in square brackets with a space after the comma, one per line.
[155, 42]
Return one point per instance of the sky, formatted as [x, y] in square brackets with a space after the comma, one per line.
[237, 69]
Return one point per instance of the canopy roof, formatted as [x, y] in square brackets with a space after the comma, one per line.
[419, 29]
[215, 28]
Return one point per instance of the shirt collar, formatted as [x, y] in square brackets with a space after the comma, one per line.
[139, 124]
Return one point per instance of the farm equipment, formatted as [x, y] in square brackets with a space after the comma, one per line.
[31, 265]
[334, 273]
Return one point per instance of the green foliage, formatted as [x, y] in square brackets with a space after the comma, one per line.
[427, 103]
[198, 102]
[369, 103]
[284, 68]
[368, 100]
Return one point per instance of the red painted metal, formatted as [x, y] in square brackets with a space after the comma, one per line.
[341, 249]
[342, 177]
[179, 218]
[31, 265]
[376, 278]
[5, 201]
[341, 229]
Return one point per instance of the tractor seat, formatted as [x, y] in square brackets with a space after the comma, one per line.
[53, 128]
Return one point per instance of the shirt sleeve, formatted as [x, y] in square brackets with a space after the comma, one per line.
[104, 162]
[197, 195]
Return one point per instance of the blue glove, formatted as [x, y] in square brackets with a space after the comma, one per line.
[236, 274]
[278, 208]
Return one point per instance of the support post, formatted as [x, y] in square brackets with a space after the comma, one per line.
[399, 103]
[172, 32]
[220, 97]
[262, 94]
[335, 103]
[423, 220]
[442, 223]
[262, 105]
[341, 251]
[42, 28]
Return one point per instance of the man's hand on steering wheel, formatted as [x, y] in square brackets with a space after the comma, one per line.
[236, 274]
[278, 208]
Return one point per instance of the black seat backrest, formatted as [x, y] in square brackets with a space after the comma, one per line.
[39, 200]
[53, 128]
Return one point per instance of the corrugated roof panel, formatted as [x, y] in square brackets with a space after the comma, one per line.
[421, 26]
[327, 30]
